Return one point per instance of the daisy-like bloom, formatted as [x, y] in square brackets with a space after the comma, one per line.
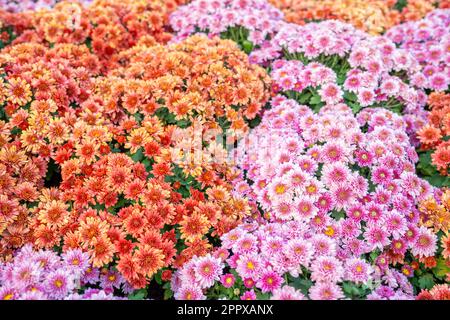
[377, 237]
[90, 276]
[26, 274]
[8, 293]
[287, 293]
[54, 214]
[305, 209]
[381, 175]
[18, 91]
[194, 227]
[441, 157]
[445, 243]
[325, 291]
[149, 260]
[59, 284]
[111, 279]
[299, 252]
[326, 269]
[245, 244]
[395, 224]
[191, 292]
[440, 292]
[208, 270]
[269, 281]
[366, 97]
[425, 245]
[429, 135]
[407, 271]
[331, 94]
[249, 295]
[325, 202]
[248, 266]
[399, 246]
[357, 270]
[227, 280]
[323, 245]
[102, 251]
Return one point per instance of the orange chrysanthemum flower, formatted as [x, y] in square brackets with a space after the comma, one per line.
[194, 227]
[149, 260]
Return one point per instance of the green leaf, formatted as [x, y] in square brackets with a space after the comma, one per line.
[138, 156]
[262, 296]
[168, 294]
[138, 294]
[247, 46]
[304, 98]
[442, 269]
[350, 96]
[302, 284]
[158, 278]
[426, 281]
[351, 289]
[356, 107]
[315, 99]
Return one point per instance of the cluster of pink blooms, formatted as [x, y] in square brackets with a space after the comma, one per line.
[259, 17]
[264, 256]
[377, 71]
[44, 275]
[428, 40]
[334, 193]
[305, 165]
[330, 37]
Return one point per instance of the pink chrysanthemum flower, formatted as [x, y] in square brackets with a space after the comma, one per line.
[287, 293]
[299, 252]
[269, 281]
[76, 259]
[247, 243]
[395, 224]
[323, 245]
[376, 237]
[191, 292]
[59, 283]
[248, 266]
[26, 274]
[425, 245]
[227, 280]
[328, 269]
[331, 93]
[357, 270]
[8, 293]
[249, 295]
[208, 270]
[249, 283]
[325, 291]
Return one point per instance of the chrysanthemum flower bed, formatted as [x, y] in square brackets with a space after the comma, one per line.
[352, 199]
[373, 16]
[212, 149]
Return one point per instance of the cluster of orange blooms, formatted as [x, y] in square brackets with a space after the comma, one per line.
[373, 16]
[435, 214]
[119, 212]
[107, 26]
[198, 78]
[432, 136]
[111, 136]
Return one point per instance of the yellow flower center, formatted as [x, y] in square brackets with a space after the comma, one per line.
[329, 231]
[8, 296]
[58, 283]
[280, 189]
